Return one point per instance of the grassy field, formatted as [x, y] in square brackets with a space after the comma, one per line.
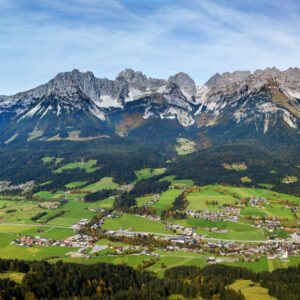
[75, 211]
[105, 242]
[185, 146]
[18, 211]
[44, 195]
[236, 231]
[88, 166]
[277, 210]
[106, 203]
[47, 159]
[147, 173]
[75, 184]
[253, 211]
[8, 233]
[168, 178]
[251, 292]
[134, 223]
[140, 201]
[5, 238]
[46, 182]
[103, 183]
[224, 195]
[277, 263]
[32, 253]
[58, 195]
[182, 182]
[174, 261]
[15, 276]
[166, 199]
[261, 193]
[197, 200]
[267, 265]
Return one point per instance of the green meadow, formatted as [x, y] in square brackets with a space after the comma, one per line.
[251, 290]
[168, 178]
[141, 200]
[106, 203]
[47, 159]
[166, 199]
[18, 211]
[103, 183]
[75, 211]
[134, 223]
[75, 184]
[198, 200]
[88, 166]
[58, 195]
[224, 195]
[236, 231]
[182, 183]
[147, 173]
[14, 276]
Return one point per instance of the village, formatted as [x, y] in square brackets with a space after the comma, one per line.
[7, 186]
[207, 230]
[185, 239]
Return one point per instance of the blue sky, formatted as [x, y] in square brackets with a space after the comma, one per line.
[39, 38]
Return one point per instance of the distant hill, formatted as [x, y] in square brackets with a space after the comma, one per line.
[263, 105]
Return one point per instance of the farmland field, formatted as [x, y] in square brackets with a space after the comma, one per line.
[106, 203]
[182, 182]
[147, 173]
[18, 211]
[47, 159]
[185, 146]
[166, 199]
[88, 166]
[15, 276]
[141, 200]
[134, 223]
[58, 195]
[224, 195]
[236, 231]
[75, 211]
[103, 183]
[75, 184]
[250, 292]
[198, 200]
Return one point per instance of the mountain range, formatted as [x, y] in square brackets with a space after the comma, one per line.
[263, 105]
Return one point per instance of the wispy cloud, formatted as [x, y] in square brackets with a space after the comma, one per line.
[40, 38]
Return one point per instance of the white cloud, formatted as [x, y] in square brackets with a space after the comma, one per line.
[197, 37]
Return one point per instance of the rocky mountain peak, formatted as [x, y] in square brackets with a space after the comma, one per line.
[264, 98]
[138, 80]
[185, 83]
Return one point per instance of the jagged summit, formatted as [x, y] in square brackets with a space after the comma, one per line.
[78, 101]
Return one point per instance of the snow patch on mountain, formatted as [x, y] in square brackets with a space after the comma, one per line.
[31, 112]
[49, 108]
[290, 120]
[184, 118]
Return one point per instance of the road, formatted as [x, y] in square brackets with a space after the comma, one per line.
[219, 240]
[166, 235]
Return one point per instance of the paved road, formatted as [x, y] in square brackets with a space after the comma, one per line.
[164, 234]
[216, 239]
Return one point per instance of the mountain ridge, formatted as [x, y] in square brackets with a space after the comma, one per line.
[261, 100]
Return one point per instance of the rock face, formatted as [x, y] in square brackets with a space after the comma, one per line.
[266, 95]
[75, 101]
